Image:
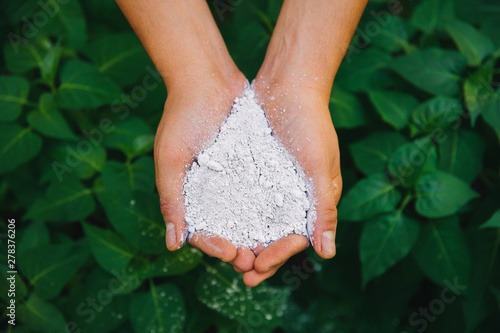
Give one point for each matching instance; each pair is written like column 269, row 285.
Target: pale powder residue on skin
column 245, row 187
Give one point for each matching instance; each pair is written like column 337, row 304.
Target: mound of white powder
column 245, row 187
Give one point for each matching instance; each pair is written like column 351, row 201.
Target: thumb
column 322, row 223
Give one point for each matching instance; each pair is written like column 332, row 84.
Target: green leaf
column 429, row 14
column 50, row 64
column 369, row 197
column 395, row 108
column 119, row 56
column 471, row 43
column 23, row 57
column 137, row 176
column 346, row 109
column 17, row 146
column 491, row 113
column 48, row 121
column 161, row 309
column 385, row 241
column 68, row 23
column 440, row 194
column 372, row 154
column 176, row 263
column 393, row 35
column 85, row 158
column 408, row 162
column 251, row 44
column 434, row 71
column 82, row 86
column 437, row 113
column 493, row 222
column 109, row 249
column 64, row 201
column 136, row 216
column 222, row 290
column 478, row 91
column 128, row 136
column 40, row 316
column 13, row 95
column 49, row 267
column 34, row 235
column 461, row 154
column 442, row 253
column 496, row 293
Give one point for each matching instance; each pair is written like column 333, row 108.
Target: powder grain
column 246, row 187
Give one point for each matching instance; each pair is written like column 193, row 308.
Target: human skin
column 293, row 85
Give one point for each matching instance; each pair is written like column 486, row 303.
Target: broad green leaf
column 496, row 293
column 442, row 253
column 346, row 109
column 109, row 249
column 461, row 154
column 372, row 154
column 409, row 161
column 477, row 90
column 386, row 240
column 393, row 35
column 369, row 197
column 13, row 93
column 429, row 14
column 440, row 194
column 68, row 23
column 119, row 56
column 50, row 64
column 48, row 121
column 222, row 290
column 41, row 316
column 35, row 234
column 137, row 176
column 434, row 71
column 15, row 10
column 84, row 158
column 49, row 267
column 491, row 113
column 23, row 57
column 82, row 86
column 161, row 309
column 136, row 216
column 17, row 146
column 437, row 113
column 65, row 201
column 395, row 108
column 493, row 222
column 176, row 263
column 471, row 43
column 362, row 70
column 128, row 136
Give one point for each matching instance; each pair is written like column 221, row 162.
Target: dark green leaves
column 429, row 14
column 346, row 110
column 442, row 253
column 394, row 108
column 369, row 197
column 176, row 263
column 372, row 154
column 13, row 93
column 40, row 316
column 129, row 176
column 222, row 290
column 440, row 194
column 434, row 71
column 64, row 201
column 493, row 222
column 133, row 136
column 49, row 267
column 386, row 240
column 471, row 43
column 17, row 146
column 161, row 309
column 408, row 161
column 82, row 86
column 437, row 113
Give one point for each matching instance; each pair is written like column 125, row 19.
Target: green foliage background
column 417, row 107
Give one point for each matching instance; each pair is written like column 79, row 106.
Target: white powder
column 245, row 187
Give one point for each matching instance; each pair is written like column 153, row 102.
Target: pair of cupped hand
column 297, row 109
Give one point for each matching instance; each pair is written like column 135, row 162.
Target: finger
column 238, row 270
column 279, row 252
column 244, row 259
column 323, row 224
column 258, row 249
column 253, row 278
column 214, row 246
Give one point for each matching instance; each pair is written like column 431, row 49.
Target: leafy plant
column 416, row 104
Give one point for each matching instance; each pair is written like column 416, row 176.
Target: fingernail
column 328, row 243
column 170, row 234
